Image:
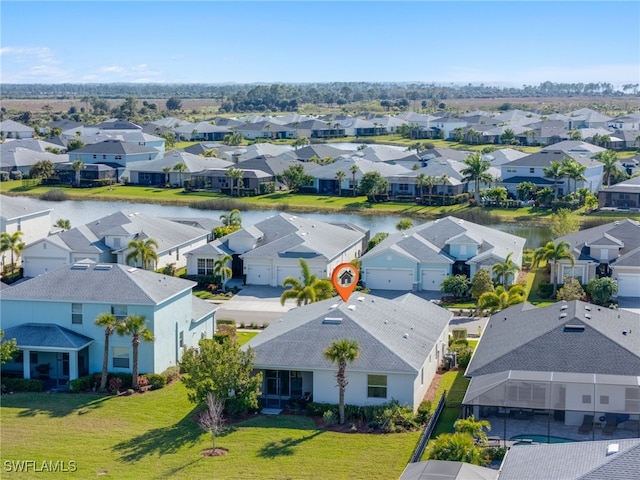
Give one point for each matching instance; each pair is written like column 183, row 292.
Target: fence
column 428, row 430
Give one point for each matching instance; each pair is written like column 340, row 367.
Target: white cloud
column 25, row 54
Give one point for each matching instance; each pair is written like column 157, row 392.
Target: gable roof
column 46, row 335
column 115, row 147
column 527, row 338
column 194, row 163
column 394, row 336
column 624, row 234
column 447, row 470
column 99, row 283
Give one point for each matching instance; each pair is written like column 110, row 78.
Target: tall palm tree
column 574, row 171
column 221, row 269
column 552, row 252
column 232, row 219
column 609, row 160
column 354, row 169
column 77, row 166
column 556, row 172
column 235, row 175
column 167, row 172
column 342, row 352
column 340, row 176
column 134, row 325
column 310, row 290
column 502, row 271
column 180, row 167
column 14, row 244
column 421, row 181
column 108, row 322
column 145, row 250
column 476, row 170
column 444, row 180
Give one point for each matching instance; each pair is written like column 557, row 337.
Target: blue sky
column 512, row 43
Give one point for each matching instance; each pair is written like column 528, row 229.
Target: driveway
column 631, row 304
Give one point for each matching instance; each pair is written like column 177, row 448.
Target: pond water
column 81, row 212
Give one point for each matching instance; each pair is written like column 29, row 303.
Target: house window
column 118, row 157
column 532, row 170
column 33, row 358
column 76, row 313
column 119, row 311
column 604, row 399
column 586, row 399
column 511, row 170
column 463, row 249
column 181, row 339
column 120, row 357
column 205, row 266
column 116, row 242
column 377, row 386
column 403, row 186
column 104, row 157
column 95, row 156
column 631, row 399
column 422, row 376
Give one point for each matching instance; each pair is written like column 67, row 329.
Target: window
column 118, row 157
column 104, row 157
column 181, row 339
column 422, row 376
column 76, row 313
column 205, row 266
column 604, row 399
column 116, row 242
column 586, row 399
column 532, row 170
column 377, row 386
column 631, row 399
column 33, row 358
column 95, row 156
column 120, row 357
column 119, row 311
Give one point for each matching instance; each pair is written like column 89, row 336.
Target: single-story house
column 610, row 250
column 421, row 257
column 19, row 214
column 265, row 129
column 13, row 129
column 561, row 362
column 22, row 159
column 52, row 319
column 201, row 131
column 623, row 195
column 402, row 343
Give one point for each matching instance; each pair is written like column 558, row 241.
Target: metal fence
column 428, row 430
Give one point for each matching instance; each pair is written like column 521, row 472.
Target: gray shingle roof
column 16, row 207
column 626, row 232
column 194, row 163
column 527, row 338
column 46, row 335
column 115, row 147
column 96, row 283
column 201, row 308
column 393, row 335
column 445, row 470
column 588, row 461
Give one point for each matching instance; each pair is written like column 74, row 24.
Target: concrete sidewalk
column 256, row 299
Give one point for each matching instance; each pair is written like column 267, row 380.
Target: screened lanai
column 578, row 405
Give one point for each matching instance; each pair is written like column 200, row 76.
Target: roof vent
column 613, row 448
column 132, row 269
column 103, row 267
column 80, row 266
column 361, row 299
column 574, row 328
column 335, row 305
column 563, row 307
column 332, row 321
column 587, row 315
column 351, row 307
column 562, row 315
column 587, row 308
column 406, row 335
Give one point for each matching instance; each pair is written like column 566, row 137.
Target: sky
column 504, row 42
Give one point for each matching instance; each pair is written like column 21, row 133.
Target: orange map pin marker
column 345, row 278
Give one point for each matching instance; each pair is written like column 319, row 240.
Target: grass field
column 153, row 435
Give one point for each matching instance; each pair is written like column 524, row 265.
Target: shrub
column 496, row 453
column 55, row 195
column 545, row 290
column 461, row 341
column 242, row 325
column 114, row 384
column 265, row 325
column 143, row 381
column 463, row 353
column 15, row 175
column 253, row 325
column 458, row 333
column 316, row 409
column 156, row 380
column 4, row 177
column 424, row 412
column 171, row 374
column 396, row 418
column 82, row 384
column 329, row 417
column 267, row 187
column 23, row 384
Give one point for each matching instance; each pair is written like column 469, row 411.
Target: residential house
column 587, row 118
column 401, row 342
column 575, row 148
column 447, row 124
column 630, row 122
column 105, row 241
column 52, row 319
column 421, row 257
column 34, row 144
column 610, row 250
column 217, row 180
column 561, row 363
column 135, row 137
column 265, row 129
column 22, row 159
column 321, row 151
column 114, row 152
column 447, row 470
column 92, row 174
column 358, row 127
column 202, row 131
column 313, row 128
column 13, row 129
column 19, row 214
column 623, row 195
column 446, row 175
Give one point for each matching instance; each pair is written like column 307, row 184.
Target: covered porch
column 290, row 389
column 48, row 352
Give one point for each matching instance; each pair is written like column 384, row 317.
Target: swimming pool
column 540, row 439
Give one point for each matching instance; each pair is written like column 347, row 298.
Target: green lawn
column 243, row 337
column 153, row 436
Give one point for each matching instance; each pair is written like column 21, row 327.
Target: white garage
column 39, row 266
column 628, row 285
column 284, row 272
column 432, row 279
column 258, row 275
column 388, row 279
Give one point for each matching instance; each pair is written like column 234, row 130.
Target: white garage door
column 284, row 272
column 432, row 279
column 628, row 285
column 39, row 266
column 259, row 275
column 383, row 279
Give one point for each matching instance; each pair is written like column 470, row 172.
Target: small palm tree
column 444, row 180
column 145, row 250
column 77, row 166
column 63, row 223
column 552, row 252
column 354, row 169
column 180, row 167
column 556, row 172
column 342, row 352
column 167, row 172
column 134, row 325
column 108, row 322
column 14, row 244
column 310, row 290
column 476, row 170
column 502, row 271
column 501, row 299
column 221, row 269
column 232, row 219
column 235, row 175
column 473, row 427
column 340, row 176
column 609, row 160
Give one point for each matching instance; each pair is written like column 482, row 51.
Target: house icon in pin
column 346, row 277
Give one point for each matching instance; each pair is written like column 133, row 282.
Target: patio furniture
column 611, row 423
column 587, row 425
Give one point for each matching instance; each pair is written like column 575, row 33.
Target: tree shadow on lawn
column 53, row 404
column 161, row 441
column 285, row 447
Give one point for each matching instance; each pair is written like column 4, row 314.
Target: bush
column 126, row 379
column 143, row 381
column 496, row 453
column 15, row 175
column 316, row 409
column 463, row 353
column 156, row 380
column 458, row 333
column 545, row 290
column 82, row 384
column 329, row 417
column 23, row 384
column 171, row 374
column 55, row 195
column 396, row 418
column 114, row 384
column 267, row 187
column 424, row 412
column 4, row 177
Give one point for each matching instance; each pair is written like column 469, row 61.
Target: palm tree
column 421, row 181
column 300, row 142
column 340, row 176
column 444, row 180
column 354, row 169
column 134, row 325
column 556, row 172
column 232, row 219
column 145, row 250
column 221, row 269
column 235, row 175
column 473, row 427
column 502, row 271
column 12, row 242
column 180, row 167
column 63, row 223
column 552, row 252
column 573, row 170
column 476, row 170
column 167, row 173
column 310, row 290
column 609, row 160
column 77, row 166
column 342, row 352
column 108, row 322
column 501, row 298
